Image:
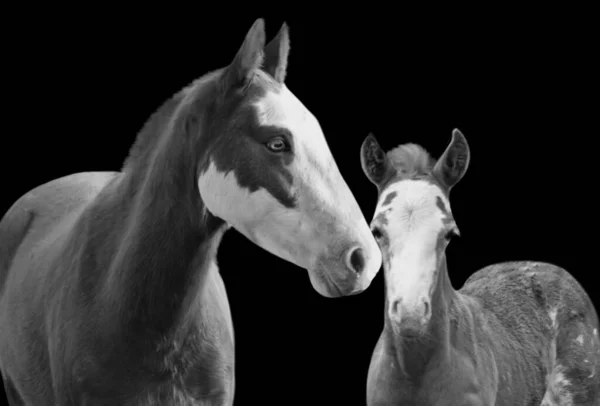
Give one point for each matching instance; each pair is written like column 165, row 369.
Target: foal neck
column 414, row 354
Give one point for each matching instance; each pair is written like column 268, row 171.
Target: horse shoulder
column 41, row 209
column 34, row 229
column 30, row 235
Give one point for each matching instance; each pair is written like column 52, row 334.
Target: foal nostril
column 356, row 260
column 396, row 307
column 426, row 309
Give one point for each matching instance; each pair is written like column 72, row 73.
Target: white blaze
column 414, row 223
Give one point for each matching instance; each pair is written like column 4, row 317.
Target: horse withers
column 109, row 288
column 517, row 333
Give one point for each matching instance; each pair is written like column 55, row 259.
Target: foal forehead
column 413, row 201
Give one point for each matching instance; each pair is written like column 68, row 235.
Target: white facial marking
column 225, row 198
column 557, row 392
column 326, row 221
column 284, row 109
column 316, row 175
column 414, row 222
column 552, row 313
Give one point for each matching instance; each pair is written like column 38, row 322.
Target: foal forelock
column 413, row 214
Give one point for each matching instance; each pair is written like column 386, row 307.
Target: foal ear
column 454, row 162
column 374, row 161
column 276, row 54
column 248, row 58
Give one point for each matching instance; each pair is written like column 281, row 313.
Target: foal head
column 268, row 172
column 413, row 222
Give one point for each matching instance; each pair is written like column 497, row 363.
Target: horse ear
column 374, row 161
column 248, row 58
column 454, row 162
column 276, row 54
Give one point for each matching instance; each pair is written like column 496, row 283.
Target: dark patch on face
column 378, row 228
column 434, row 180
column 440, row 204
column 239, row 146
column 389, row 198
column 381, row 219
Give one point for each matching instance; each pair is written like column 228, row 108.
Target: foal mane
column 411, row 160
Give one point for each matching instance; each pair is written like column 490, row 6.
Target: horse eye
column 277, row 144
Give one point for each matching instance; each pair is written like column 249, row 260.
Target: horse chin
column 324, row 285
column 327, row 286
column 410, row 329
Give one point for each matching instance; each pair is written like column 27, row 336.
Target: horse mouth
column 330, row 287
column 409, row 329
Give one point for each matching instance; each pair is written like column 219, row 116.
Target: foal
column 517, row 333
column 109, row 289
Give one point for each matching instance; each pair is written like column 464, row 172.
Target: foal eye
column 277, row 144
column 377, row 233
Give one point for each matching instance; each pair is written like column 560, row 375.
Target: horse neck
column 165, row 244
column 413, row 355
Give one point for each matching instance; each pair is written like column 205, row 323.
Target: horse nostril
column 356, row 260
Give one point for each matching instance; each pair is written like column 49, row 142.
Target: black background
column 518, row 90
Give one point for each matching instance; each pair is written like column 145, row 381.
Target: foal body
column 517, row 333
column 532, row 339
column 109, row 287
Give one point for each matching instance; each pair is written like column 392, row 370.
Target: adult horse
column 517, row 333
column 110, row 293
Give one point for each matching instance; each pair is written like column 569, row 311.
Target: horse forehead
column 414, row 194
column 281, row 108
column 412, row 202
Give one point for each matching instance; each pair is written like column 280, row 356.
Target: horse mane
column 411, row 160
column 159, row 120
column 152, row 129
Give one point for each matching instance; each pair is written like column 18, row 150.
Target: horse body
column 109, row 286
column 61, row 331
column 516, row 333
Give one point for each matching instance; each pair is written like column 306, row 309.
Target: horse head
column 268, row 172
